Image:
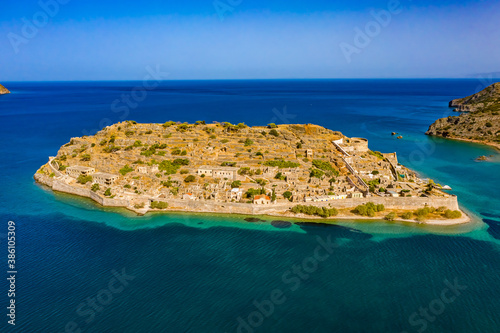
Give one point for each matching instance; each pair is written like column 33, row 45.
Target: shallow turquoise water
column 200, row 273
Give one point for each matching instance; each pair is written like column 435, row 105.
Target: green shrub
column 452, row 214
column 159, row 205
column 184, row 172
column 274, row 133
column 248, row 142
column 368, row 209
column 377, row 154
column 107, row 192
column 316, row 173
column 236, row 184
column 272, row 125
column 85, row 158
column 95, row 187
column 287, row 195
column 488, row 124
column 407, row 215
column 84, row 179
column 189, row 179
column 390, row 217
column 313, row 210
column 325, row 166
column 126, row 169
column 281, row 164
column 181, row 161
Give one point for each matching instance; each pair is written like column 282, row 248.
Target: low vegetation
column 368, row 209
column 313, row 210
column 159, row 205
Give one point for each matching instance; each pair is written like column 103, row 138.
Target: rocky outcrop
column 484, row 99
column 480, row 123
column 3, row 90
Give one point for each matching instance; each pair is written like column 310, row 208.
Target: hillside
column 480, row 121
column 3, row 90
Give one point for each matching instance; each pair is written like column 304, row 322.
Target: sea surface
column 85, row 268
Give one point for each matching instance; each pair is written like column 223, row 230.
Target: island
column 304, row 171
column 479, row 121
column 3, row 90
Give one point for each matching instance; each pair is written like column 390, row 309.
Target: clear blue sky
column 104, row 40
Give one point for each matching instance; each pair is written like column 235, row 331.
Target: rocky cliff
column 479, row 123
column 3, row 90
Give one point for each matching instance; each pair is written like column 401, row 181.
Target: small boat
column 446, row 187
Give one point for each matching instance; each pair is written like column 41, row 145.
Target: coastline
column 485, row 143
column 117, row 203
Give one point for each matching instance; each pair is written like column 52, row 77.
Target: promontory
column 479, row 122
column 304, row 171
column 3, row 90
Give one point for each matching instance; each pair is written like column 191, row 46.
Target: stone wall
column 403, row 203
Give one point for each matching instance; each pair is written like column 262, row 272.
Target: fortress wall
column 250, row 209
column 63, row 187
column 110, row 202
column 403, row 203
column 406, row 203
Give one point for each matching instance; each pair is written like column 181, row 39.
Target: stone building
column 218, row 172
column 78, row 170
column 261, row 199
column 104, row 178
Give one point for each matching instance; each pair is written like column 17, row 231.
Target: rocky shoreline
column 480, row 121
column 3, row 90
column 282, row 211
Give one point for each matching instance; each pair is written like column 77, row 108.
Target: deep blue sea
column 84, row 268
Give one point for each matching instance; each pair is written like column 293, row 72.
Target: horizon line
column 261, row 79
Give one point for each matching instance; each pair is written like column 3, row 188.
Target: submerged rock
column 281, row 224
column 253, row 219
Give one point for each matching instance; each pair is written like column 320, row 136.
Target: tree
column 316, row 173
column 248, row 142
column 95, row 187
column 126, row 169
column 272, row 125
column 107, row 192
column 189, row 179
column 407, row 215
column 84, row 179
column 159, row 205
column 273, row 196
column 287, row 195
column 390, row 217
column 236, row 184
column 274, row 133
column 452, row 214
